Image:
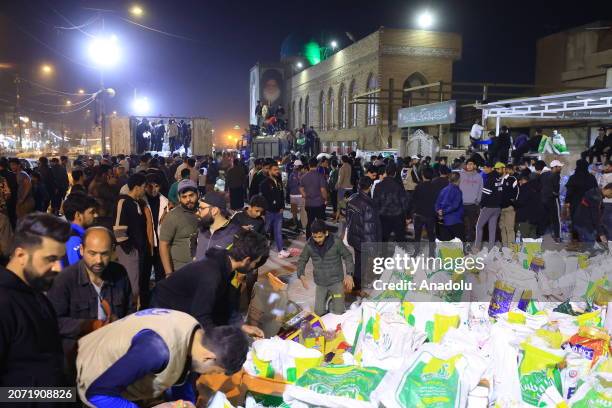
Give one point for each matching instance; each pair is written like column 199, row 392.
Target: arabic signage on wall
column 427, row 115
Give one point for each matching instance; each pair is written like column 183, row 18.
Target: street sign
column 427, row 115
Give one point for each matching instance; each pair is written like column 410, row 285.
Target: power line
column 51, row 89
column 158, row 31
column 59, row 105
column 74, row 27
column 51, row 48
column 65, row 112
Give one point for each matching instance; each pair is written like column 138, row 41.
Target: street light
column 334, row 44
column 425, row 19
column 104, row 51
column 81, row 91
column 46, row 69
column 69, row 103
column 141, row 106
column 300, row 65
column 136, row 11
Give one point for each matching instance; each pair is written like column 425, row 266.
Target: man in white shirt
column 476, row 133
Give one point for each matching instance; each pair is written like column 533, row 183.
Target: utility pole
column 18, row 110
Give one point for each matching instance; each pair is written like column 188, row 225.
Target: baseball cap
column 555, row 163
column 187, row 185
column 499, row 165
column 298, row 162
column 603, row 128
column 215, row 199
column 415, row 157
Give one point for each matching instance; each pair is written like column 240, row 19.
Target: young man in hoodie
column 527, row 208
column 389, row 200
column 507, row 216
column 490, row 204
column 327, row 253
column 587, row 219
column 470, row 184
column 449, row 207
column 551, row 183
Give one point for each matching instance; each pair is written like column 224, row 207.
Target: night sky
column 207, row 74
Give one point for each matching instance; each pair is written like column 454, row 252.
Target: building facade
column 352, row 97
column 579, row 57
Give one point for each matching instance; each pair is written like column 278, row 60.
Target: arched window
column 307, row 112
column 330, row 114
column 372, row 106
column 352, row 107
column 342, row 107
column 293, row 118
column 416, row 97
column 322, row 108
column 300, row 114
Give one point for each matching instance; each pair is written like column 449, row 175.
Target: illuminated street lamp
column 300, row 65
column 68, row 103
column 104, row 52
column 425, row 20
column 81, row 91
column 46, row 69
column 334, row 44
column 136, row 11
column 141, row 106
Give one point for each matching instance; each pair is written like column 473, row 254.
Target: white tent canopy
column 584, row 105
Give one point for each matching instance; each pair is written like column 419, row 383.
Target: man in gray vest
column 151, row 354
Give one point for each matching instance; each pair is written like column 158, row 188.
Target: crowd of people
column 133, row 269
column 150, row 136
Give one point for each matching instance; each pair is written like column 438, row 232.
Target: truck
column 121, row 133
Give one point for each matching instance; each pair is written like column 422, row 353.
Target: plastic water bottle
column 565, row 231
column 517, row 241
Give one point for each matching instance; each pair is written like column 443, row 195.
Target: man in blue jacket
column 449, row 207
column 80, row 209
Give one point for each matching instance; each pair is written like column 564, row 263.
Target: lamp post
column 425, row 20
column 104, row 52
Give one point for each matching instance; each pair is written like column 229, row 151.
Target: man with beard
column 178, row 228
column 30, row 344
column 209, row 289
column 215, row 228
column 160, row 207
column 91, row 293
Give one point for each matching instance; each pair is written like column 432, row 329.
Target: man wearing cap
column 490, row 203
column 215, row 228
column 178, row 228
column 551, row 182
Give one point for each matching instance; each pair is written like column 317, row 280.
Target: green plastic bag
column 430, row 384
column 342, row 381
column 538, row 371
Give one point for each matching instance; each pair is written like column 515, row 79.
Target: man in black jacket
column 252, row 216
column 490, row 204
column 528, row 208
column 424, row 208
column 551, row 183
column 30, row 345
column 209, row 289
column 587, row 219
column 272, row 189
column 90, row 294
column 389, row 199
column 503, row 144
column 60, row 178
column 363, row 226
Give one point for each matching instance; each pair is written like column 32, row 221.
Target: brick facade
column 385, row 54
